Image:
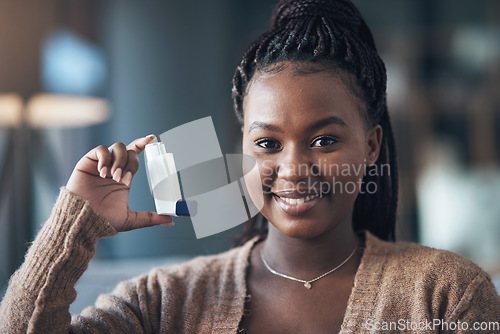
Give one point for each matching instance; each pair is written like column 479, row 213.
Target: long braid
column 333, row 35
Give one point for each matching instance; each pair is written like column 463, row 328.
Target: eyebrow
column 261, row 125
column 325, row 122
column 315, row 126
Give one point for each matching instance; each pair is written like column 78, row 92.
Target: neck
column 306, row 258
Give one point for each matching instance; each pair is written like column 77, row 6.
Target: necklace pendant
column 307, row 285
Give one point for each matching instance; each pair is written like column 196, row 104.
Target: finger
column 146, row 219
column 138, row 145
column 100, row 156
column 131, row 168
column 119, row 157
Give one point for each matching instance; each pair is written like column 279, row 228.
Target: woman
column 310, row 95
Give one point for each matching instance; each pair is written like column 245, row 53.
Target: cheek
column 258, row 175
column 342, row 174
column 258, row 181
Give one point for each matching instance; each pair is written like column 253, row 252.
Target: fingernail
column 170, row 223
column 117, row 175
column 152, row 136
column 127, row 178
column 104, row 172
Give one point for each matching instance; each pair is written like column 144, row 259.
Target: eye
column 323, row 141
column 268, row 143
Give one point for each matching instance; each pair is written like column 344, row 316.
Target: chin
column 298, row 228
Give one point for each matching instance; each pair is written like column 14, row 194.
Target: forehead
column 288, row 96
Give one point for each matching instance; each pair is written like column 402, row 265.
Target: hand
column 103, row 177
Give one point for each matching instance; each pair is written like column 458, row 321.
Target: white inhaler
column 164, row 182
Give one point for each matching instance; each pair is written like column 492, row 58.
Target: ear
column 373, row 143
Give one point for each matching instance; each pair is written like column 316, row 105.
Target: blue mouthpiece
column 186, row 208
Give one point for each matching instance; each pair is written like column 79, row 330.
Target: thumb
column 142, row 219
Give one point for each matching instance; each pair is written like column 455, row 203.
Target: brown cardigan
column 397, row 284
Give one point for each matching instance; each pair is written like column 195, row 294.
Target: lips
column 296, row 193
column 297, row 202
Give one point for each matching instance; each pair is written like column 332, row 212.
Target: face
column 311, row 145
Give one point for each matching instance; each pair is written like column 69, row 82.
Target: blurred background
column 78, row 73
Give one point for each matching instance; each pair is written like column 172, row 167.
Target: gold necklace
column 307, row 284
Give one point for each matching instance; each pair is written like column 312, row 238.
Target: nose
column 294, row 164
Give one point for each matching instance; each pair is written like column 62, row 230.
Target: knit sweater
column 397, row 284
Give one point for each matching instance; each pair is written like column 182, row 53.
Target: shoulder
column 208, row 266
column 403, row 280
column 190, row 293
column 433, row 277
column 207, row 272
column 419, row 260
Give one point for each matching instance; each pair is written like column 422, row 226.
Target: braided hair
column 330, row 35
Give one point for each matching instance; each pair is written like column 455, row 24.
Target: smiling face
column 311, row 144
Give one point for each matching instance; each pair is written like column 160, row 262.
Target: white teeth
column 296, row 201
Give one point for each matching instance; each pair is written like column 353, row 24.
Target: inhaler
column 164, row 182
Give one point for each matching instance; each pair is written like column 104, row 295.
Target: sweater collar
column 364, row 293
